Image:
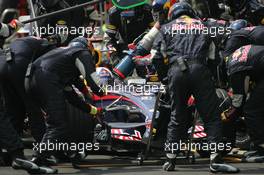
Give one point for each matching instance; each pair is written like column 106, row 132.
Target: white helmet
column 105, row 75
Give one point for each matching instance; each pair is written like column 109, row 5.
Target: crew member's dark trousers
column 196, row 81
column 14, row 107
column 254, row 114
column 47, row 87
column 9, row 139
column 18, row 106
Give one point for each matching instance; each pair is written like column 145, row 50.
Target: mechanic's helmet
column 79, row 42
column 105, row 75
column 238, row 24
column 159, row 5
column 179, row 9
column 160, row 9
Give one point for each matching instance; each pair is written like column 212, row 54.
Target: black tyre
column 81, row 125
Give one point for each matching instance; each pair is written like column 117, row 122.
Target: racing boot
column 19, row 162
column 170, row 163
column 255, row 156
column 44, row 160
column 218, row 166
column 22, row 164
column 77, row 159
column 31, row 167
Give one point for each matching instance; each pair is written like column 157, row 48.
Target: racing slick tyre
column 81, row 125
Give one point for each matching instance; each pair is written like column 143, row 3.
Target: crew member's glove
column 95, row 111
column 231, row 114
column 141, row 61
column 15, row 24
column 138, row 54
column 111, row 48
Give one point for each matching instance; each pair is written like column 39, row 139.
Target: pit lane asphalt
column 110, row 165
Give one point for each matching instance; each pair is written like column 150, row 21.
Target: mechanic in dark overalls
column 9, row 138
column 21, row 52
column 188, row 75
column 242, row 35
column 251, row 10
column 128, row 26
column 244, row 66
column 124, row 26
column 51, row 73
column 62, row 23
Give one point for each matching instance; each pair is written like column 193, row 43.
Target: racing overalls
column 128, row 27
column 9, row 138
column 124, row 28
column 251, row 10
column 242, row 37
column 51, row 73
column 22, row 51
column 187, row 75
column 66, row 24
column 246, row 65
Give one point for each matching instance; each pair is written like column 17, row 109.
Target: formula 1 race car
column 135, row 119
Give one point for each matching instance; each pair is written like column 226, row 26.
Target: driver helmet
column 105, row 76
